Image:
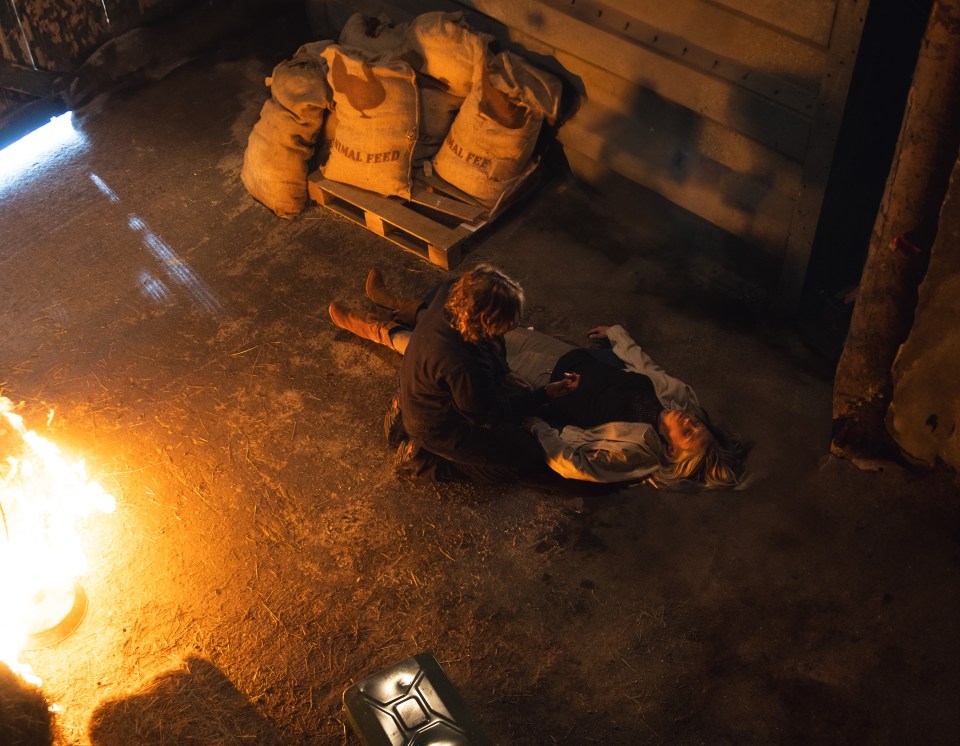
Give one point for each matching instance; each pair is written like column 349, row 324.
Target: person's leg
column 400, row 338
column 389, row 334
column 414, row 461
column 503, row 453
column 402, row 311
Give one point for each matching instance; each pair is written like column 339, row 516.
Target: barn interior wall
column 727, row 108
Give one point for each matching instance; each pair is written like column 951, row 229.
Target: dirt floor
column 263, row 556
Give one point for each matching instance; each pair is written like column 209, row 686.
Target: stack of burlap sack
column 390, row 98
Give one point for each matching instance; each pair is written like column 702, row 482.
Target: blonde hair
column 720, row 464
column 484, row 303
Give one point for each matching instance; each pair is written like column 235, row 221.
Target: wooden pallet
column 438, row 233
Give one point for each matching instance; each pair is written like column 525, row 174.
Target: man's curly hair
column 484, row 303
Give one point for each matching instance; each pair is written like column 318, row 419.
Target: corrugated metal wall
column 728, row 108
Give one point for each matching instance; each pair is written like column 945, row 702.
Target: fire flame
column 43, row 498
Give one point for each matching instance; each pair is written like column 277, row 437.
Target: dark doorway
column 865, row 146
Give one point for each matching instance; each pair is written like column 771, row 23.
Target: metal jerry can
column 411, row 704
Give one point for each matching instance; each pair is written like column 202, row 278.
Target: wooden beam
column 21, row 79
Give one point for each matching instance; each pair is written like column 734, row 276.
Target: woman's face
column 682, row 431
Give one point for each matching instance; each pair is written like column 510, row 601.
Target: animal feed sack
column 445, row 51
column 448, row 50
column 374, row 35
column 375, row 97
column 438, row 109
column 493, row 136
column 282, row 141
column 446, row 46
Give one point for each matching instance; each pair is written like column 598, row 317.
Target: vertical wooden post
column 899, row 246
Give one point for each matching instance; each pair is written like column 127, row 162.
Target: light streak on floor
column 46, row 146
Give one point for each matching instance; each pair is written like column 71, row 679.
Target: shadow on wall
column 195, row 703
column 665, row 150
column 661, row 134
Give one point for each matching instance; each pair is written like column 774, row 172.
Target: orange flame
column 43, row 498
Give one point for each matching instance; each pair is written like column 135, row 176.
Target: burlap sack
column 282, row 141
column 376, row 101
column 438, row 109
column 447, row 49
column 328, row 134
column 437, row 106
column 374, row 35
column 532, row 87
column 493, row 136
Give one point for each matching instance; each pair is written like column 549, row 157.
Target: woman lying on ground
column 626, row 421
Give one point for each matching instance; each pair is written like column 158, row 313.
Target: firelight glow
column 43, row 147
column 44, row 496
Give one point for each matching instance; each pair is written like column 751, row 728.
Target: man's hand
column 564, row 387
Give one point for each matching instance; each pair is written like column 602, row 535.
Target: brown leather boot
column 403, row 311
column 376, row 290
column 375, row 331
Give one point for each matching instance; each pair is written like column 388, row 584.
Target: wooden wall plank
column 25, row 80
column 680, row 49
column 845, row 43
column 691, row 131
column 716, row 30
column 807, row 19
column 755, row 116
column 713, row 140
column 737, row 202
column 10, row 103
